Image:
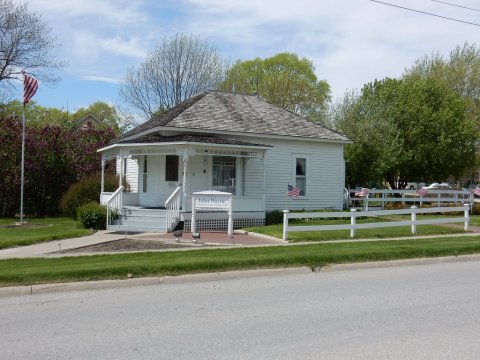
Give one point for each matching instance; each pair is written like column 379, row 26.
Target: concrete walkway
column 44, row 248
column 210, row 238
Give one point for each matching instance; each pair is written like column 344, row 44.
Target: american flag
column 293, row 191
column 475, row 190
column 30, row 86
column 422, row 191
column 362, row 193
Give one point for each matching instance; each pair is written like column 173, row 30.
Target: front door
column 159, row 176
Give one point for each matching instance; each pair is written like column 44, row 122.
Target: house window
column 145, row 173
column 223, row 174
column 301, row 175
column 171, row 168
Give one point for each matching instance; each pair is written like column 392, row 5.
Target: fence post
column 285, row 224
column 467, row 216
column 414, row 219
column 366, row 202
column 438, row 200
column 352, row 222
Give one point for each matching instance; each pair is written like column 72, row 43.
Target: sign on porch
column 212, row 200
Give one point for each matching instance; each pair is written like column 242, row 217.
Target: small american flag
column 475, row 190
column 293, row 191
column 30, row 86
column 362, row 193
column 422, row 191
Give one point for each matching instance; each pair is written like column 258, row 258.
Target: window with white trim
column 301, row 175
column 224, row 173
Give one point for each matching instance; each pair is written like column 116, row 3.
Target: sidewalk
column 41, row 249
column 210, row 238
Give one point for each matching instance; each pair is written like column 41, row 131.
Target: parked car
column 438, row 186
column 414, row 185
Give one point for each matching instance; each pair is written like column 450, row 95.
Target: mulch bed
column 125, row 245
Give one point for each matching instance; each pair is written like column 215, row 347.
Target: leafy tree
column 407, row 130
column 37, row 115
column 284, row 80
column 174, row 70
column 25, row 44
column 460, row 71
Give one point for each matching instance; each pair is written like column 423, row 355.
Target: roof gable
column 227, row 112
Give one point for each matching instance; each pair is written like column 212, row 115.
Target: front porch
column 247, row 212
column 162, row 176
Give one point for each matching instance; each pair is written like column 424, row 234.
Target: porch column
column 184, row 180
column 122, row 159
column 264, row 181
column 102, row 181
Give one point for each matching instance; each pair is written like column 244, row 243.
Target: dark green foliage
column 92, row 216
column 84, row 191
column 415, row 129
column 274, row 217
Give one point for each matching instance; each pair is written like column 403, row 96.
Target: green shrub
column 274, row 217
column 84, row 191
column 92, row 216
column 476, row 209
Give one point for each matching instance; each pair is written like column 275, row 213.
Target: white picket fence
column 353, row 214
column 437, row 197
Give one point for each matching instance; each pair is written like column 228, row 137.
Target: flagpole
column 23, row 164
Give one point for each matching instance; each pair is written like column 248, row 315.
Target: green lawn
column 276, row 230
column 47, row 229
column 50, row 270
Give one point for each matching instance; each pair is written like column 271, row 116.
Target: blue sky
column 351, row 42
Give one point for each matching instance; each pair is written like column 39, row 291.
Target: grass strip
column 380, row 233
column 118, row 266
column 38, row 230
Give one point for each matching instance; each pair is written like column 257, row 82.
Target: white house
column 226, row 142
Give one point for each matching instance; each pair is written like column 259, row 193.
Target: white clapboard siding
column 253, row 177
column 199, row 169
column 131, row 174
column 325, row 174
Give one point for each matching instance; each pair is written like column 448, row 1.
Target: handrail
column 114, row 202
column 172, row 206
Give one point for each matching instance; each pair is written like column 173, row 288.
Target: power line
column 425, row 13
column 456, row 5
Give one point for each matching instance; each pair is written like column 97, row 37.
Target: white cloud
column 89, row 45
column 111, row 11
column 350, row 42
column 105, row 79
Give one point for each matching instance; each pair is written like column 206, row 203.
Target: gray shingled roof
column 218, row 111
column 157, row 138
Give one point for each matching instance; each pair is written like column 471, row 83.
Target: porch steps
column 137, row 219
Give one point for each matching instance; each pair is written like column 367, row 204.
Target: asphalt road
column 414, row 312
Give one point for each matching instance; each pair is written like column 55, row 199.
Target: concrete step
column 135, row 229
column 144, row 213
column 140, row 222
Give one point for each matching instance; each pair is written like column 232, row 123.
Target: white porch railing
column 410, row 196
column 172, row 206
column 114, row 203
column 353, row 214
